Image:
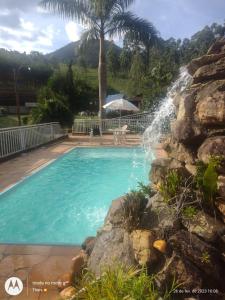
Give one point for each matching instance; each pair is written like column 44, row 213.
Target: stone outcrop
column 196, row 241
column 113, row 243
column 142, row 242
column 214, row 146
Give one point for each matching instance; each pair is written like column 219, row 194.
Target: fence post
column 52, row 131
column 22, row 139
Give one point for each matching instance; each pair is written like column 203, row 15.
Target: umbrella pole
column 120, row 120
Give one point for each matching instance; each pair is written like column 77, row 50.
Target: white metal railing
column 136, row 123
column 18, row 139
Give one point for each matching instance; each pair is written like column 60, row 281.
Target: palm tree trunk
column 102, row 75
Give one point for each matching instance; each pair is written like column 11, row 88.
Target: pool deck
column 34, row 264
column 41, row 263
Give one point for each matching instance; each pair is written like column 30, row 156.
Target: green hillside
column 87, row 55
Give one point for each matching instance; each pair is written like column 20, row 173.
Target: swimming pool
column 68, row 200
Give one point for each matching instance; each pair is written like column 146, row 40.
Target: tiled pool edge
column 36, row 170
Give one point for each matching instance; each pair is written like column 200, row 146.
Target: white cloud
column 73, row 31
column 28, row 37
column 4, row 12
column 26, row 25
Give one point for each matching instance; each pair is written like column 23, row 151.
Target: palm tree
column 103, row 18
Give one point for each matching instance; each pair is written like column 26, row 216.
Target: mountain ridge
column 88, row 56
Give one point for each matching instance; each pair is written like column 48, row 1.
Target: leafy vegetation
column 146, row 190
column 133, row 209
column 119, row 283
column 8, row 121
column 207, row 176
column 189, row 212
column 170, row 186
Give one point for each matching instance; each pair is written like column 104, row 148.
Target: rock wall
column 197, row 134
column 190, row 250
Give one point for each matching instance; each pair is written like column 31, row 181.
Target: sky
column 26, row 27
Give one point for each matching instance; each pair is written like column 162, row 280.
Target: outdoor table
column 118, row 134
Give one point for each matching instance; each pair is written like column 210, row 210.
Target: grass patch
column 8, row 121
column 118, row 283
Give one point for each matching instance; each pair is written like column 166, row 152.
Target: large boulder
column 220, row 204
column 142, row 241
column 204, row 226
column 214, row 146
column 161, row 167
column 111, row 247
column 209, row 72
column 187, row 131
column 221, row 186
column 179, row 151
column 217, row 47
column 186, row 106
column 199, row 62
column 210, row 100
column 115, row 213
column 160, row 216
column 186, row 274
column 202, row 255
column 113, row 243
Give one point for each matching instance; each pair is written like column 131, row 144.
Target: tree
column 52, row 107
column 112, row 61
column 103, row 18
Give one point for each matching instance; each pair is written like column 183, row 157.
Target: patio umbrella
column 121, row 105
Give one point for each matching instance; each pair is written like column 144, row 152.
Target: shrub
column 145, row 189
column 119, row 283
column 189, row 212
column 133, row 210
column 207, row 176
column 170, row 186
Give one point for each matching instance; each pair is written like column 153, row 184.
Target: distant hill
column 72, row 51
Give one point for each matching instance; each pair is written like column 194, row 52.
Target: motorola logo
column 13, row 286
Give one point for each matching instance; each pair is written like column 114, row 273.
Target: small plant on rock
column 133, row 209
column 145, row 189
column 206, row 178
column 189, row 212
column 205, row 258
column 170, row 186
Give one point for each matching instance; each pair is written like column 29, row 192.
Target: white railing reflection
column 19, row 139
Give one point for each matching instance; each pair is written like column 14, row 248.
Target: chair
column 120, row 135
column 124, row 133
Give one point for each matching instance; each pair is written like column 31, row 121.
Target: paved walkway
column 41, row 263
column 35, row 265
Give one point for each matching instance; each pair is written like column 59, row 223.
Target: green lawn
column 8, row 121
column 115, row 84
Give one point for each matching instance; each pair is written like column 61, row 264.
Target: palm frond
column 87, row 36
column 73, row 9
column 137, row 28
column 125, row 3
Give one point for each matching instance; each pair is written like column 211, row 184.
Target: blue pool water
column 68, row 200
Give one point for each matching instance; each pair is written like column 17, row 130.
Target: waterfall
column 165, row 112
